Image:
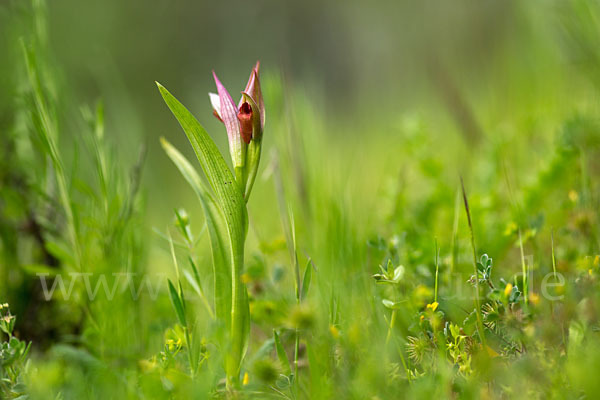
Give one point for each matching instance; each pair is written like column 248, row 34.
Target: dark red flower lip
column 245, row 117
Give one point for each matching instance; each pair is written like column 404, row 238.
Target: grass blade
column 477, row 300
column 524, row 270
column 48, row 134
column 306, row 279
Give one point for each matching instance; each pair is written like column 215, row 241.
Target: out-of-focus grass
column 368, row 179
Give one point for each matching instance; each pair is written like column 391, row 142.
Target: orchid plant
column 224, row 205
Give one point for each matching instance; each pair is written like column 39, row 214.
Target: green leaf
column 470, row 322
column 177, row 304
column 391, row 304
column 281, row 355
column 182, row 298
column 61, row 251
column 195, row 270
column 455, row 331
column 576, row 336
column 306, row 279
column 228, row 193
column 230, row 200
column 35, row 269
column 194, row 281
column 216, row 232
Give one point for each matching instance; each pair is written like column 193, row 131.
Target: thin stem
column 477, row 302
column 190, row 352
column 455, row 234
column 289, row 228
column 524, row 270
column 437, row 270
column 239, row 329
column 403, row 360
column 391, row 327
column 237, row 315
column 553, row 257
column 298, row 300
column 296, row 355
column 562, row 330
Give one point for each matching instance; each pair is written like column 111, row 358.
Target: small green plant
column 224, row 205
column 301, row 317
column 13, row 358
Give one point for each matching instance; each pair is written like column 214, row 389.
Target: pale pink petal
column 232, row 125
column 215, row 101
column 228, row 111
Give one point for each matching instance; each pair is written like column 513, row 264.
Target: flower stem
column 477, row 302
column 524, row 271
column 391, row 327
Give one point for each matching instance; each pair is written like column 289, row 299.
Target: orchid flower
column 244, row 124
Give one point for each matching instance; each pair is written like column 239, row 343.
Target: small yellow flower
column 573, row 196
column 147, row 365
column 422, row 318
column 596, row 264
column 170, row 345
column 433, row 306
column 246, row 379
column 508, row 289
column 335, row 332
column 534, row 298
column 510, row 229
column 529, row 330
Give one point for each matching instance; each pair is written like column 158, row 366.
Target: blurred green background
column 467, row 69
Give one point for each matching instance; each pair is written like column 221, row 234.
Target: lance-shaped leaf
column 281, row 355
column 216, row 232
column 230, row 200
column 177, row 304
